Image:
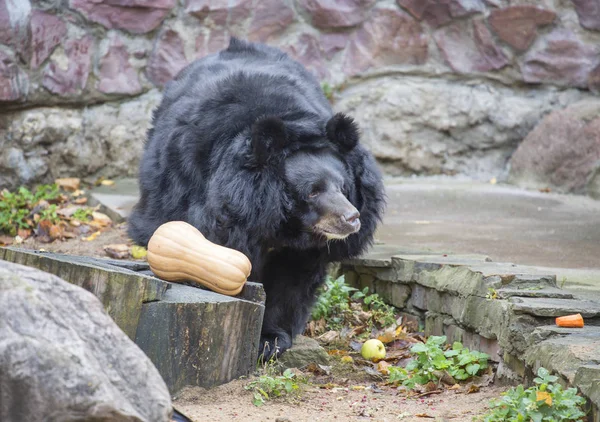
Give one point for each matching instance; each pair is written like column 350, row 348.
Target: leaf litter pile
column 344, row 318
column 54, row 213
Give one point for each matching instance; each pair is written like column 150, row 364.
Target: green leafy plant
column 335, row 297
column 16, row 207
column 382, row 313
column 269, row 386
column 82, row 214
column 333, row 302
column 431, row 361
column 465, row 363
column 327, row 90
column 50, row 214
column 545, row 401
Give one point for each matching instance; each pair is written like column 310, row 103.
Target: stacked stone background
column 438, row 86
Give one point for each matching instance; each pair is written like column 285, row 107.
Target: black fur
column 227, row 153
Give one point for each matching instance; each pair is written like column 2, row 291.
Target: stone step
column 192, row 335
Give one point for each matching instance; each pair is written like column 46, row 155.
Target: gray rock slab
column 304, row 352
column 550, row 307
column 548, row 292
column 62, row 358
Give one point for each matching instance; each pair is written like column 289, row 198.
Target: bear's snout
column 352, row 218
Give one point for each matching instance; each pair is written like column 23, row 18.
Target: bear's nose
column 351, row 217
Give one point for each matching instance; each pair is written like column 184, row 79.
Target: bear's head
column 317, row 178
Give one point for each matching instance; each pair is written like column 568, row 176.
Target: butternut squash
column 177, row 251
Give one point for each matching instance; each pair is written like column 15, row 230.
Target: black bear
column 245, row 147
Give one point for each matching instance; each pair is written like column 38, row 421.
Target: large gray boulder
column 63, row 359
column 562, row 152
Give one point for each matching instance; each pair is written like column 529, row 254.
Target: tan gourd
column 177, row 251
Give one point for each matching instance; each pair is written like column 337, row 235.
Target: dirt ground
column 356, row 401
column 77, row 246
column 231, row 402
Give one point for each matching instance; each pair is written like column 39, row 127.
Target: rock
column 469, row 47
column 307, row 51
column 14, row 25
column 167, row 59
column 14, row 82
column 561, row 152
column 593, row 81
column 563, row 59
column 304, row 352
column 68, row 74
column 588, row 12
column 428, row 126
column 220, row 11
column 271, row 17
column 63, row 358
column 51, row 142
column 389, row 37
column 593, row 183
column 518, row 25
column 332, row 43
column 47, row 31
column 116, row 75
column 213, row 42
column 549, row 307
column 135, row 16
column 336, row 14
column 439, row 12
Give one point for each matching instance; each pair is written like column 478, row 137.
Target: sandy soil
column 231, row 402
column 112, row 235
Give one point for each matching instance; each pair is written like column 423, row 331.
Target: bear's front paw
column 273, row 345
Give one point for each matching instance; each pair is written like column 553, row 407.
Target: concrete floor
column 505, row 223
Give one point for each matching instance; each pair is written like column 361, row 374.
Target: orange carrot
column 570, row 321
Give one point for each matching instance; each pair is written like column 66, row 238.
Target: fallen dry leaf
column 473, row 389
column 117, row 251
column 68, row 183
column 100, row 220
column 329, row 336
column 424, row 415
column 337, row 352
column 92, row 236
column 107, row 182
column 6, row 240
column 24, row 233
column 55, row 232
column 80, row 201
column 383, row 367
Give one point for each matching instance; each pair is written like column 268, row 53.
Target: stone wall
column 438, row 86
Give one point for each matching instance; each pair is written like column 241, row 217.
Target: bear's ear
column 343, row 131
column 268, row 138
